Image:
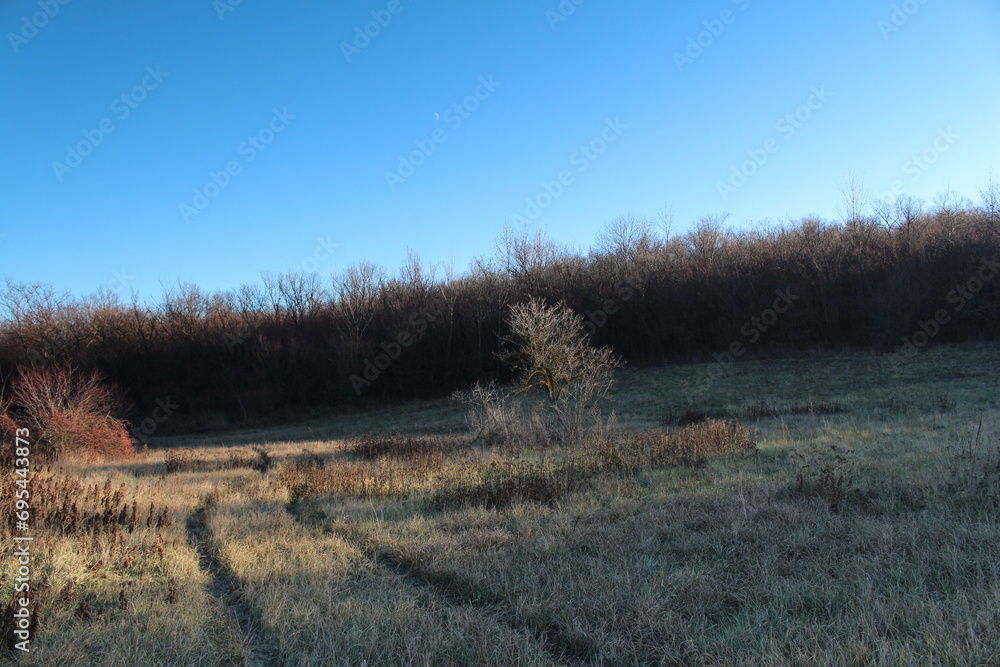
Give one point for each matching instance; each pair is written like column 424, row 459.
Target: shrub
column 550, row 351
column 77, row 432
column 501, row 420
column 70, row 412
column 41, row 392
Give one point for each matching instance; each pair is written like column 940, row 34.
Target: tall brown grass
column 690, row 445
column 397, row 466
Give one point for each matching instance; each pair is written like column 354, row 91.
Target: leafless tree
column 627, row 237
column 358, row 293
column 989, row 196
column 41, row 392
column 528, row 256
column 855, row 198
column 550, row 350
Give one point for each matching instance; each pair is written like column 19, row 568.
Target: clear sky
column 146, row 142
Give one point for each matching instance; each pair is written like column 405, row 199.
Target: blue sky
column 247, row 137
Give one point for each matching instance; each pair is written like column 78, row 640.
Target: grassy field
column 864, row 529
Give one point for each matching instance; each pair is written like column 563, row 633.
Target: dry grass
column 371, row 447
column 693, row 444
column 374, row 466
column 113, row 578
column 856, row 536
column 505, row 482
column 189, row 460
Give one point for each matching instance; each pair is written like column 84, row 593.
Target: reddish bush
column 70, row 412
column 78, row 432
column 7, row 425
column 43, row 391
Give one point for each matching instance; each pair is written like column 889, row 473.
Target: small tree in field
column 549, row 348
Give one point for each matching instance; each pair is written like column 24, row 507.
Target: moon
column 437, row 116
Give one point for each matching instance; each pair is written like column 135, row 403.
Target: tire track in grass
column 225, row 587
column 459, row 592
column 455, row 591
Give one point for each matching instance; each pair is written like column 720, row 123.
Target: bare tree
column 665, row 216
column 627, row 237
column 40, row 322
column 989, row 196
column 707, row 241
column 302, row 296
column 855, row 198
column 358, row 293
column 185, row 309
column 527, row 256
column 549, row 348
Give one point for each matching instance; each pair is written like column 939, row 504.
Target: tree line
column 299, row 340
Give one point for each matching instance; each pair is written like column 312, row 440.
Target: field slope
column 863, row 529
